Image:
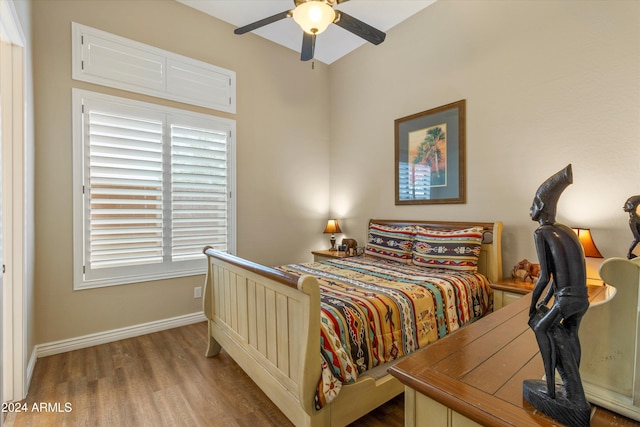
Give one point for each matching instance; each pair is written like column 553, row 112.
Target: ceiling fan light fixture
column 314, row 16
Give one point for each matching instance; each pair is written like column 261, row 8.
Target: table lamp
column 592, row 256
column 588, row 245
column 332, row 227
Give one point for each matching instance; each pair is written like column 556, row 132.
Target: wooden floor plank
column 160, row 379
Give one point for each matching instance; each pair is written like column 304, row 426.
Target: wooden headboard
column 490, row 261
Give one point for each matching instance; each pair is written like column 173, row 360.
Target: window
column 152, row 188
column 107, row 59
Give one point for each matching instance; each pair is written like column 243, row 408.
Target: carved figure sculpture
column 533, row 272
column 350, row 246
column 631, row 206
column 519, row 269
column 525, row 269
column 562, row 274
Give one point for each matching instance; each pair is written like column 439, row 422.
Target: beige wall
column 547, row 83
column 282, row 155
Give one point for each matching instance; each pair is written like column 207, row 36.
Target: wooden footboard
column 269, row 323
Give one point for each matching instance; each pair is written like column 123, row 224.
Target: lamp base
column 333, row 244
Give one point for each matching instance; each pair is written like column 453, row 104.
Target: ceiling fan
column 314, row 16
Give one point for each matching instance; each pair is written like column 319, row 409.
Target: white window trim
column 100, row 57
column 79, row 281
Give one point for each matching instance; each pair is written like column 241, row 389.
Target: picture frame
column 430, row 156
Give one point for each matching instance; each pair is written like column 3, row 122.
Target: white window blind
column 198, row 190
column 125, row 193
column 156, row 185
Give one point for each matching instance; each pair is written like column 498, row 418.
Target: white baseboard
column 57, row 347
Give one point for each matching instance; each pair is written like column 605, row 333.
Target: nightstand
column 328, row 254
column 509, row 290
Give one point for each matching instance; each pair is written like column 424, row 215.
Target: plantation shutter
column 198, row 191
column 125, row 175
column 153, row 189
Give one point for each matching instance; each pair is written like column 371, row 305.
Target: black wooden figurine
column 562, row 274
column 631, row 206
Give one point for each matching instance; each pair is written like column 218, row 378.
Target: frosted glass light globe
column 314, row 16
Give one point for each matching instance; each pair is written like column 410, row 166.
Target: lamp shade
column 314, row 16
column 332, row 227
column 588, row 245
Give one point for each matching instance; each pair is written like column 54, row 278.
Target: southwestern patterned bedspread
column 374, row 311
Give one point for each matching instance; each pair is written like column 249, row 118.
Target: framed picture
column 430, row 156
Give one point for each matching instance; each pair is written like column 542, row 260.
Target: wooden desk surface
column 478, row 371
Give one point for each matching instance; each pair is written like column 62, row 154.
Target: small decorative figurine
column 350, row 246
column 562, row 271
column 525, row 269
column 631, row 206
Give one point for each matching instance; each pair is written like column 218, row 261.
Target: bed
column 269, row 319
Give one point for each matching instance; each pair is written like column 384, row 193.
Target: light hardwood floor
column 160, row 379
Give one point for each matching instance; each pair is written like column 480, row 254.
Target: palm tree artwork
column 428, row 148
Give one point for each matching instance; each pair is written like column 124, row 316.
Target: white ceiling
column 333, row 43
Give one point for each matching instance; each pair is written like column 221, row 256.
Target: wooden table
column 474, row 376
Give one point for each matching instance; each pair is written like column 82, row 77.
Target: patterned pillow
column 450, row 249
column 394, row 243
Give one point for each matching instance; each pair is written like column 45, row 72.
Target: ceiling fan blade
column 359, row 28
column 308, row 46
column 262, row 22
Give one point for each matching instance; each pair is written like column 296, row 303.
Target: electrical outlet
column 197, row 292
